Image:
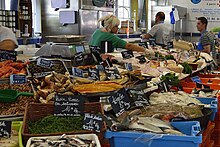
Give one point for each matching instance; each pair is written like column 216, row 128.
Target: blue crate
column 136, row 139
column 213, row 105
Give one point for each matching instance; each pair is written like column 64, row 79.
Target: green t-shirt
column 99, row 36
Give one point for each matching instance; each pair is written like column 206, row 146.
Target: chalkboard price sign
column 112, row 73
column 143, row 44
column 68, row 105
column 92, row 122
column 44, row 63
column 120, row 102
column 93, row 74
column 139, row 97
column 18, row 79
column 127, row 54
column 169, row 45
column 152, row 41
column 79, row 58
column 8, row 55
column 5, row 128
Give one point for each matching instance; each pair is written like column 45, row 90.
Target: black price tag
column 152, row 41
column 95, row 49
column 143, row 44
column 18, row 79
column 44, row 63
column 112, row 74
column 141, row 59
column 92, row 122
column 169, row 45
column 139, row 97
column 8, row 55
column 77, row 72
column 68, row 105
column 93, row 74
column 5, row 128
column 120, row 102
column 128, row 66
column 79, row 58
column 127, row 54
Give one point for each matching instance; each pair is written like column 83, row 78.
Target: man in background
column 206, row 41
column 159, row 31
column 8, row 40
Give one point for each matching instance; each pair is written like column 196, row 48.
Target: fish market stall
column 85, row 99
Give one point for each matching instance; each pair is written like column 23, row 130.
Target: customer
column 160, row 31
column 206, row 41
column 110, row 25
column 8, row 40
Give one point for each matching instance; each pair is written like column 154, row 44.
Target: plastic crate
column 213, row 105
column 35, row 111
column 136, row 139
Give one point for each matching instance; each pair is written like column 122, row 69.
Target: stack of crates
column 211, row 136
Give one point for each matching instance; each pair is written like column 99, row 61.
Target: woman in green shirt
column 110, row 25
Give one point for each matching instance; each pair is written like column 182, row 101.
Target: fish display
column 178, row 98
column 62, row 141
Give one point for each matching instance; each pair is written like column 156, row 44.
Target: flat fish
column 155, row 122
column 144, row 127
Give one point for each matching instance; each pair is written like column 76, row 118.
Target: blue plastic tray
column 136, row 139
column 213, row 105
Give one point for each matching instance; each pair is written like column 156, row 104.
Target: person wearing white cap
column 110, row 25
column 8, row 40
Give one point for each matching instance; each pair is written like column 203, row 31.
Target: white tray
column 92, row 137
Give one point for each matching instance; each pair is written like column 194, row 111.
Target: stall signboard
column 8, row 55
column 68, row 105
column 18, row 79
column 92, row 122
column 5, row 128
column 120, row 102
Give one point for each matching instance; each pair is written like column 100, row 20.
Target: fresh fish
column 172, row 131
column 143, row 126
column 155, row 122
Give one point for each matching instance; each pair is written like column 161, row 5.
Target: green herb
column 171, row 79
column 187, row 68
column 169, row 57
column 55, row 124
column 157, row 54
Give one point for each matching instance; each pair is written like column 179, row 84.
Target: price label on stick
column 68, row 105
column 44, row 63
column 112, row 74
column 143, row 44
column 5, row 128
column 18, row 79
column 8, row 55
column 92, row 122
column 120, row 102
column 139, row 97
column 169, row 45
column 93, row 74
column 127, row 54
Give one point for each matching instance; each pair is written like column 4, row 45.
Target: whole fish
column 143, row 126
column 155, row 122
